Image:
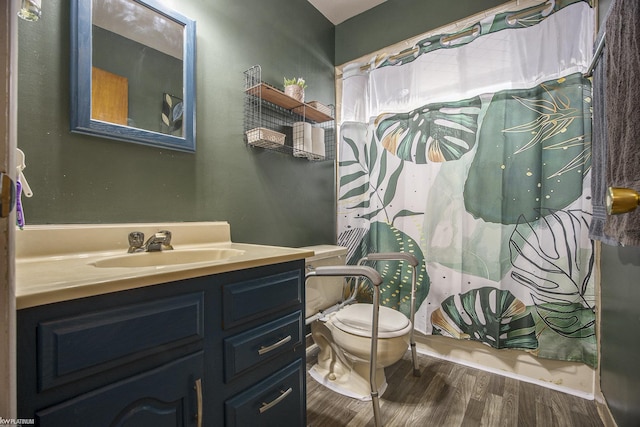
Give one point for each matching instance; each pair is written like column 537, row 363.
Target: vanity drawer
column 78, row 346
column 276, row 401
column 248, row 349
column 251, row 299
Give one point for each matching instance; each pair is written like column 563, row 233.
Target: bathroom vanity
column 209, row 344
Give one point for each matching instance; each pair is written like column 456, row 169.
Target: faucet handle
column 136, row 241
column 167, row 239
column 167, row 235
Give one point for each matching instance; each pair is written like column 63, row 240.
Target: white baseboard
column 568, row 377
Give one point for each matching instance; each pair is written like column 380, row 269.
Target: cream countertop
column 55, row 263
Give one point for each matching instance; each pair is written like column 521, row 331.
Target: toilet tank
column 324, row 292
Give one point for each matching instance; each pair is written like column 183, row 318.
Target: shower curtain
column 473, row 153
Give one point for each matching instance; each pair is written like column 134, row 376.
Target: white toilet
column 343, row 332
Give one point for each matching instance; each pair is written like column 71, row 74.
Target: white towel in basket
column 317, row 143
column 302, row 144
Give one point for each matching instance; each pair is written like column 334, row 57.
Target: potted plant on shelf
column 295, row 88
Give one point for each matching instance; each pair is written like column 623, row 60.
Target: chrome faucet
column 159, row 241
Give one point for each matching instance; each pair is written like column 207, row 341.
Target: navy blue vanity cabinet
column 212, row 351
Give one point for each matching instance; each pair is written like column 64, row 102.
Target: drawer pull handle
column 198, row 388
column 266, row 406
column 262, row 350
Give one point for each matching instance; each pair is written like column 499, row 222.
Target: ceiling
column 338, row 11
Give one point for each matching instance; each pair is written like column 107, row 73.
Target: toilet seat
column 356, row 319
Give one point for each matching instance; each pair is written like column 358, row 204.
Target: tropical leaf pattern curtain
column 474, row 155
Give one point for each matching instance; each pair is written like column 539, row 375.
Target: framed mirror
column 133, row 72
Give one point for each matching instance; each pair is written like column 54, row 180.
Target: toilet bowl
column 343, row 332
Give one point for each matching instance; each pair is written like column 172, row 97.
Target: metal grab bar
column 413, row 263
column 347, row 271
column 596, row 55
column 376, row 279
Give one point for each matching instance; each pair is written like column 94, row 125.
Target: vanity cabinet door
column 76, row 347
column 170, row 395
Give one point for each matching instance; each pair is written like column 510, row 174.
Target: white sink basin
column 168, row 257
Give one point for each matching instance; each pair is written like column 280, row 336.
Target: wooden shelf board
column 277, row 97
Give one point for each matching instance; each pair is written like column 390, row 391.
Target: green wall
column 620, row 329
column 396, row 20
column 268, row 197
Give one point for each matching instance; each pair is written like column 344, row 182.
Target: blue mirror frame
column 81, row 63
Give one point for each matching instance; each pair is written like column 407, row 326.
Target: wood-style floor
column 450, row 395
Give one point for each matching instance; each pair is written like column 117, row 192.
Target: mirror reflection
column 136, row 67
column 133, row 72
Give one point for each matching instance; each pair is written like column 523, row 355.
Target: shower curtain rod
column 512, row 19
column 596, row 55
column 447, row 39
column 408, row 53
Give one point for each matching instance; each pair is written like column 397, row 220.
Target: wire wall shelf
column 276, row 121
